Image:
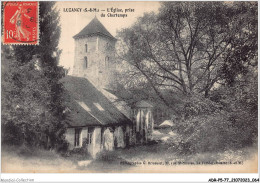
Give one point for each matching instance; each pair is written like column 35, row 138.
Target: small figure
column 17, row 19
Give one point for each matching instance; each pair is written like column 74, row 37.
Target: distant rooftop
column 95, row 27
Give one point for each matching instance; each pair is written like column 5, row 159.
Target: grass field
column 134, row 159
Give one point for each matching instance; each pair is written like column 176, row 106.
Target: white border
column 115, row 177
column 148, row 177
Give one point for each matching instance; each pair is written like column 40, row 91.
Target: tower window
column 107, row 61
column 77, row 137
column 86, row 61
column 108, row 46
column 86, row 47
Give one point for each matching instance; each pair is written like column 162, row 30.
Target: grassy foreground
column 148, row 158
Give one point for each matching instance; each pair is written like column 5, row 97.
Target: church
column 96, row 123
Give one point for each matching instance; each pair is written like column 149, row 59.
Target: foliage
column 32, row 96
column 206, row 51
column 197, row 105
column 227, row 121
column 189, row 46
column 78, row 154
column 244, row 44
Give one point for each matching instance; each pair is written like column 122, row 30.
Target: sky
column 73, row 22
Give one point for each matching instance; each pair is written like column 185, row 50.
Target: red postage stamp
column 21, row 22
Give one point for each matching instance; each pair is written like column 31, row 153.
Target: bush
column 195, row 105
column 208, row 126
column 63, row 146
column 78, row 154
column 202, row 133
column 11, row 134
column 109, row 156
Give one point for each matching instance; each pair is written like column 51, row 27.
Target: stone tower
column 95, row 54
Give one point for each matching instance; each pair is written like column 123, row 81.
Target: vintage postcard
column 129, row 87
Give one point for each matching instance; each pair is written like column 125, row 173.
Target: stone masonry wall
column 101, row 60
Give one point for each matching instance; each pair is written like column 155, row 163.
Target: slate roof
column 143, row 104
column 101, row 111
column 95, row 27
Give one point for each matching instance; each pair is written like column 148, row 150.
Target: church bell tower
column 95, row 54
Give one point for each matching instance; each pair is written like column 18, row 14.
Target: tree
column 243, row 57
column 31, row 91
column 206, row 51
column 189, row 47
column 228, row 120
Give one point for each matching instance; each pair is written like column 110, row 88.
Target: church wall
column 100, row 57
column 123, row 137
column 92, row 148
column 119, row 137
column 138, row 133
column 69, row 136
column 84, row 135
column 96, row 145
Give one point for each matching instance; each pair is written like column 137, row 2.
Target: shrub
column 78, row 154
column 208, row 126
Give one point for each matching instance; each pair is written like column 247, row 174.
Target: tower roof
column 95, row 27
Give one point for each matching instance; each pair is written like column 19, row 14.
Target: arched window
column 86, row 47
column 86, row 61
column 107, row 61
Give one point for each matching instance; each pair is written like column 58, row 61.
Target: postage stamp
column 20, row 23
